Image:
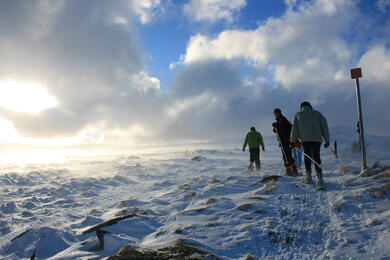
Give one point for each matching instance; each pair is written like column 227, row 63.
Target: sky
column 159, row 71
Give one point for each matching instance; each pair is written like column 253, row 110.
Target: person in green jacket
column 310, row 127
column 254, row 140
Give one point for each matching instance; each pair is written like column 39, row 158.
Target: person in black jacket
column 282, row 128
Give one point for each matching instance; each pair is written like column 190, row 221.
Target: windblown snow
column 200, row 194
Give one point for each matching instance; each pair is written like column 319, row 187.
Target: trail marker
column 356, row 74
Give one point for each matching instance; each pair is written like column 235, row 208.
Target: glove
column 292, row 145
column 243, row 149
column 326, row 144
column 263, row 149
column 274, row 125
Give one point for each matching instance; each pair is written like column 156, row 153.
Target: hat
column 305, row 104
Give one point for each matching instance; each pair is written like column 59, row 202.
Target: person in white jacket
column 310, row 127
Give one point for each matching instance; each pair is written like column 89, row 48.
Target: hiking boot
column 294, row 171
column 319, row 174
column 320, row 181
column 320, row 185
column 250, row 167
column 258, row 166
column 308, row 179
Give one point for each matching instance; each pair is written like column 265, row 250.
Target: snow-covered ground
column 211, row 202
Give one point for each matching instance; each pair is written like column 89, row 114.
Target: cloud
column 90, row 64
column 213, row 101
column 306, row 54
column 89, row 58
column 304, row 50
column 146, row 10
column 213, row 10
column 313, row 32
column 376, row 64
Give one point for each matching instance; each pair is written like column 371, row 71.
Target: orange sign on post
column 356, row 73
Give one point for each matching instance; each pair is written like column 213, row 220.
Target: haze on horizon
column 149, row 71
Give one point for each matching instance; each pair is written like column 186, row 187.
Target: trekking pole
column 281, row 145
column 342, row 162
column 311, row 159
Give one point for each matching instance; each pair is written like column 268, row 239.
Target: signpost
column 356, row 74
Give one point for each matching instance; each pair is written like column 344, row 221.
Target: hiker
column 282, row 128
column 254, row 141
column 311, row 129
column 297, row 153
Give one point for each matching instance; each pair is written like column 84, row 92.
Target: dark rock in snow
column 260, row 211
column 212, row 224
column 181, row 250
column 374, row 222
column 257, row 198
column 270, row 178
column 244, row 207
column 211, row 201
column 198, row 158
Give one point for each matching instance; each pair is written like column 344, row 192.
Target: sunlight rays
column 25, row 97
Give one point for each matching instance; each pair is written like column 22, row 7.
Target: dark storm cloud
column 216, row 103
column 90, row 63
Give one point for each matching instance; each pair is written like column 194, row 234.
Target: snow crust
column 211, row 201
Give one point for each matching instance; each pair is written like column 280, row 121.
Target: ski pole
column 342, row 162
column 311, row 159
column 281, row 145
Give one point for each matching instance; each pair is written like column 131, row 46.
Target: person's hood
column 306, row 108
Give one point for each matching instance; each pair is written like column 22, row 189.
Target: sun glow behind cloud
column 25, row 97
